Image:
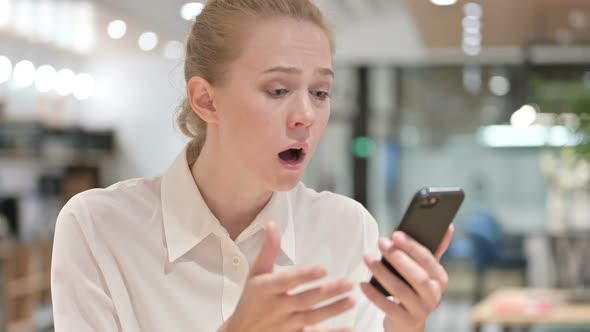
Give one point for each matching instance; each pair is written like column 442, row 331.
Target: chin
column 286, row 183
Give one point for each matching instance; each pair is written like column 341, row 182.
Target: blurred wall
column 509, row 179
column 138, row 96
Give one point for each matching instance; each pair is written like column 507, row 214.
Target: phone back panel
column 428, row 224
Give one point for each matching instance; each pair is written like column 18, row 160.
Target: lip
column 292, row 166
column 301, row 162
column 299, row 145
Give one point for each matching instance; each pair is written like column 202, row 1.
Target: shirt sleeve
column 81, row 300
column 368, row 317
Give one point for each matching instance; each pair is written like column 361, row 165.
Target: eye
column 277, row 93
column 321, row 95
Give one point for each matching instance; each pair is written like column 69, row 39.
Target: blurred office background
column 489, row 95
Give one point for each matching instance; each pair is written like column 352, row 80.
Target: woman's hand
column 427, row 277
column 267, row 303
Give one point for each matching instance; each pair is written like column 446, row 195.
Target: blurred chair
column 491, row 248
column 26, row 285
column 459, row 248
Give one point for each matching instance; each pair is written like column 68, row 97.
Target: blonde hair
column 214, row 43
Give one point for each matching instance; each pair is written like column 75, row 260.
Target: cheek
column 237, row 113
column 321, row 122
column 251, row 121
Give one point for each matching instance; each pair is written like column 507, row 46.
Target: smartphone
column 426, row 220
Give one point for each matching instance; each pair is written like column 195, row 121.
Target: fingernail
column 400, row 237
column 385, row 244
column 369, row 259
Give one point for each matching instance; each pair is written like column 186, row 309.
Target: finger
column 307, row 299
column 427, row 288
column 418, row 253
column 269, row 252
column 390, row 308
column 444, row 245
column 284, row 281
column 318, row 315
column 402, row 292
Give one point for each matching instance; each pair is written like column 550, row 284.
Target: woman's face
column 274, row 106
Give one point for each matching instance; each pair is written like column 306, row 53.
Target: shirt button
column 236, row 260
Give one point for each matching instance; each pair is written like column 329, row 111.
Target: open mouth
column 292, row 156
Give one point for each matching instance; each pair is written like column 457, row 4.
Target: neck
column 233, row 200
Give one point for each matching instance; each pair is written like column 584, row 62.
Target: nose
column 302, row 114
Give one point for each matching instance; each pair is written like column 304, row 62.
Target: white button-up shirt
column 148, row 255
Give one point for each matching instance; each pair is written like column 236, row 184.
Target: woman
column 228, row 239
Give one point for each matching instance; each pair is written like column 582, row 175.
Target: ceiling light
column 5, row 69
column 45, row 78
column 148, row 41
column 499, row 85
column 472, row 39
column 473, row 9
column 24, row 73
column 472, row 50
column 471, row 24
column 65, row 82
column 524, row 117
column 191, row 10
column 117, row 29
column 503, row 136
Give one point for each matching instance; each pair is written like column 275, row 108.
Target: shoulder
column 334, row 210
column 327, row 202
column 125, row 200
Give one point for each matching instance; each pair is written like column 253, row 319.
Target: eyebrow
column 294, row 70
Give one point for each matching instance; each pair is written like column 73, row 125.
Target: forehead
column 286, row 42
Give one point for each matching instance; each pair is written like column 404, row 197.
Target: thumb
column 269, row 252
column 444, row 245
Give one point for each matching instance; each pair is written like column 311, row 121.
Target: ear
column 200, row 97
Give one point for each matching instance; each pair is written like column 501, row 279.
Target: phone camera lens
column 429, row 202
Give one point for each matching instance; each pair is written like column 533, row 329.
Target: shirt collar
column 280, row 211
column 188, row 220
